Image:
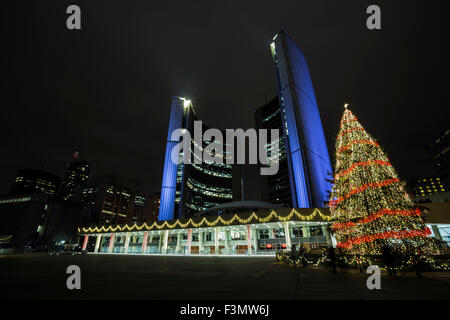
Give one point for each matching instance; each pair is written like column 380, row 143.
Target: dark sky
column 105, row 90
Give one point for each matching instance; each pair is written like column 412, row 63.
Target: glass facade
column 75, row 179
column 308, row 161
column 247, row 239
column 30, row 181
column 304, row 163
column 190, row 189
column 276, row 188
column 264, row 238
column 440, row 153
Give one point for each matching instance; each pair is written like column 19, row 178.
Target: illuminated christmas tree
column 369, row 204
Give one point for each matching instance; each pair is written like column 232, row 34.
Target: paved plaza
column 41, row 276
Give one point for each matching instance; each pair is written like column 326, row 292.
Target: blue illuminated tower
column 169, row 181
column 302, row 181
column 307, row 154
column 189, row 189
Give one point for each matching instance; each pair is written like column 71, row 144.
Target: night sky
column 106, row 90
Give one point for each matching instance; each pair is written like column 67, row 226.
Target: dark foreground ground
column 40, row 276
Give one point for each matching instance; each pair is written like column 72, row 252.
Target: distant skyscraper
column 30, row 181
column 116, row 205
column 424, row 187
column 138, row 207
column 108, row 201
column 304, row 144
column 189, row 189
column 440, row 152
column 75, row 179
column 152, row 209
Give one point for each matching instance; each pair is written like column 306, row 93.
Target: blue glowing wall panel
column 309, row 159
column 299, row 186
column 169, row 181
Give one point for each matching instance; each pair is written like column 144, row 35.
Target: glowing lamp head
column 186, row 103
column 345, row 106
column 272, row 49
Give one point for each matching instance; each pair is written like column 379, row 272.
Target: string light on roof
column 219, row 220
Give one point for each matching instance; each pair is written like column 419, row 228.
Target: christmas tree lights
column 369, row 206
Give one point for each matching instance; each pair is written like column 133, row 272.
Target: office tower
column 108, row 201
column 424, row 187
column 152, row 208
column 189, row 189
column 75, row 179
column 303, row 141
column 138, row 207
column 440, row 152
column 116, row 205
column 30, row 181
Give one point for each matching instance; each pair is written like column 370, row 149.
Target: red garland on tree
column 369, row 205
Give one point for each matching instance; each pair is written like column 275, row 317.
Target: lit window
column 238, row 235
column 264, row 234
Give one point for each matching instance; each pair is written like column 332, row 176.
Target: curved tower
column 189, row 189
column 307, row 154
column 305, row 167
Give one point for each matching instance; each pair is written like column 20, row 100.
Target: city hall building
column 201, row 209
column 242, row 228
column 189, row 190
column 248, row 232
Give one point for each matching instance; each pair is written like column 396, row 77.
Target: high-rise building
column 138, row 207
column 30, row 181
column 303, row 179
column 75, row 179
column 116, row 205
column 189, row 189
column 152, row 209
column 108, row 201
column 275, row 188
column 440, row 152
column 420, row 188
column 303, row 146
